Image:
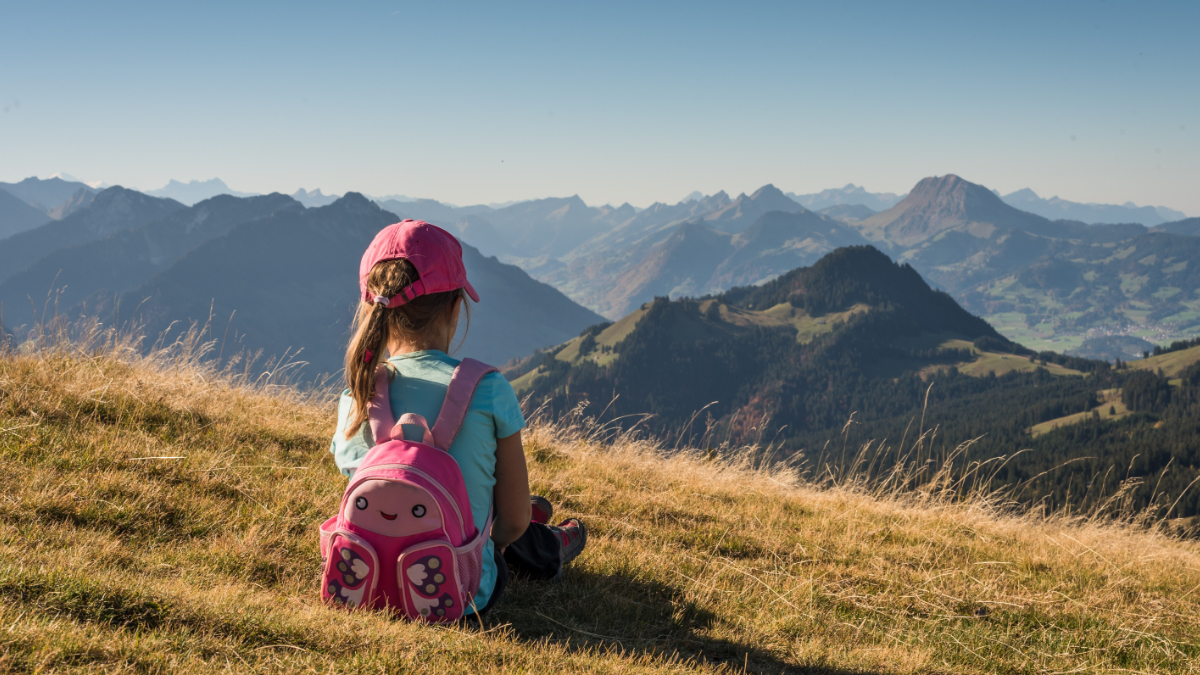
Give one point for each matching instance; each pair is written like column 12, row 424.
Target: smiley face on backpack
column 392, row 508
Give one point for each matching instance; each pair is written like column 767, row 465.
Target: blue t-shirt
column 420, row 387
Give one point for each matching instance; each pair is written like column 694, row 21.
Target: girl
column 414, row 287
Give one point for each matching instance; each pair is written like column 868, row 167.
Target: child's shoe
column 541, row 509
column 572, row 536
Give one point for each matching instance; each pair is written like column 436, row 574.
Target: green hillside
column 854, row 316
column 1171, row 363
column 858, row 349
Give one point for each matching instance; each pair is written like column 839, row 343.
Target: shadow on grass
column 596, row 612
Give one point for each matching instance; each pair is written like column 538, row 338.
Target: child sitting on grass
column 414, row 287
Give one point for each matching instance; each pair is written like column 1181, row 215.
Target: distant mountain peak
column 313, row 198
column 355, row 203
column 850, row 194
column 1023, row 193
column 946, row 182
column 768, row 191
column 211, row 182
column 195, row 191
column 114, row 194
column 939, row 203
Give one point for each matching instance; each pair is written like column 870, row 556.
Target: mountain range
column 113, row 210
column 88, row 276
column 849, row 195
column 282, row 278
column 195, row 191
column 44, row 194
column 290, row 279
column 961, row 236
column 1055, row 208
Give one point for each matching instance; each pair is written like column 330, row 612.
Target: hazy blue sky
column 638, row 102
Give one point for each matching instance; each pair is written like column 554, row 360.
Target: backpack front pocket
column 351, row 571
column 429, row 582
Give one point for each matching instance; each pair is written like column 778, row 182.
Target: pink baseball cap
column 435, row 253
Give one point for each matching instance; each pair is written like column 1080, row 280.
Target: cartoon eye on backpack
column 404, row 537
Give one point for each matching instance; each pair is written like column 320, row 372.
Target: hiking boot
column 572, row 536
column 541, row 510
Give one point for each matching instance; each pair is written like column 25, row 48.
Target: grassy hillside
column 156, row 516
column 1170, row 363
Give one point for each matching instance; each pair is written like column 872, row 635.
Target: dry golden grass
column 208, row 561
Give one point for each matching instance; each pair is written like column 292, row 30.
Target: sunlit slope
column 1171, row 363
column 157, row 519
column 717, row 318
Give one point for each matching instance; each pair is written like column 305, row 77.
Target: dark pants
column 536, row 555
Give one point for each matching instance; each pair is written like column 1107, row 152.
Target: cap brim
column 471, row 291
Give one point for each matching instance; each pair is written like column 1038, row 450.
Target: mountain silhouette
column 850, row 195
column 290, row 280
column 1188, row 226
column 1056, row 209
column 16, row 215
column 194, row 191
column 314, row 198
column 939, row 204
column 112, row 210
column 93, row 273
column 744, row 210
column 43, row 194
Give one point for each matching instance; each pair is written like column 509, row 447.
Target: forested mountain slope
column 856, row 338
column 758, row 352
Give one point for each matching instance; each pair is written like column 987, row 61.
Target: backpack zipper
column 422, row 474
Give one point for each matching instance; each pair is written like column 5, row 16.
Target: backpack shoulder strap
column 380, row 408
column 458, row 398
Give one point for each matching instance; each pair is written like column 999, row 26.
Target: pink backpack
column 404, row 537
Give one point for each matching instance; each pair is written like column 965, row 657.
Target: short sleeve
column 348, row 453
column 506, row 409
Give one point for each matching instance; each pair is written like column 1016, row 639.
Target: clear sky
column 639, row 102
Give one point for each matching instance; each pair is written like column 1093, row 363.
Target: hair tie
column 367, row 356
column 382, row 300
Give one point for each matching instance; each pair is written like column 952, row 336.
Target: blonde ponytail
column 375, row 324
